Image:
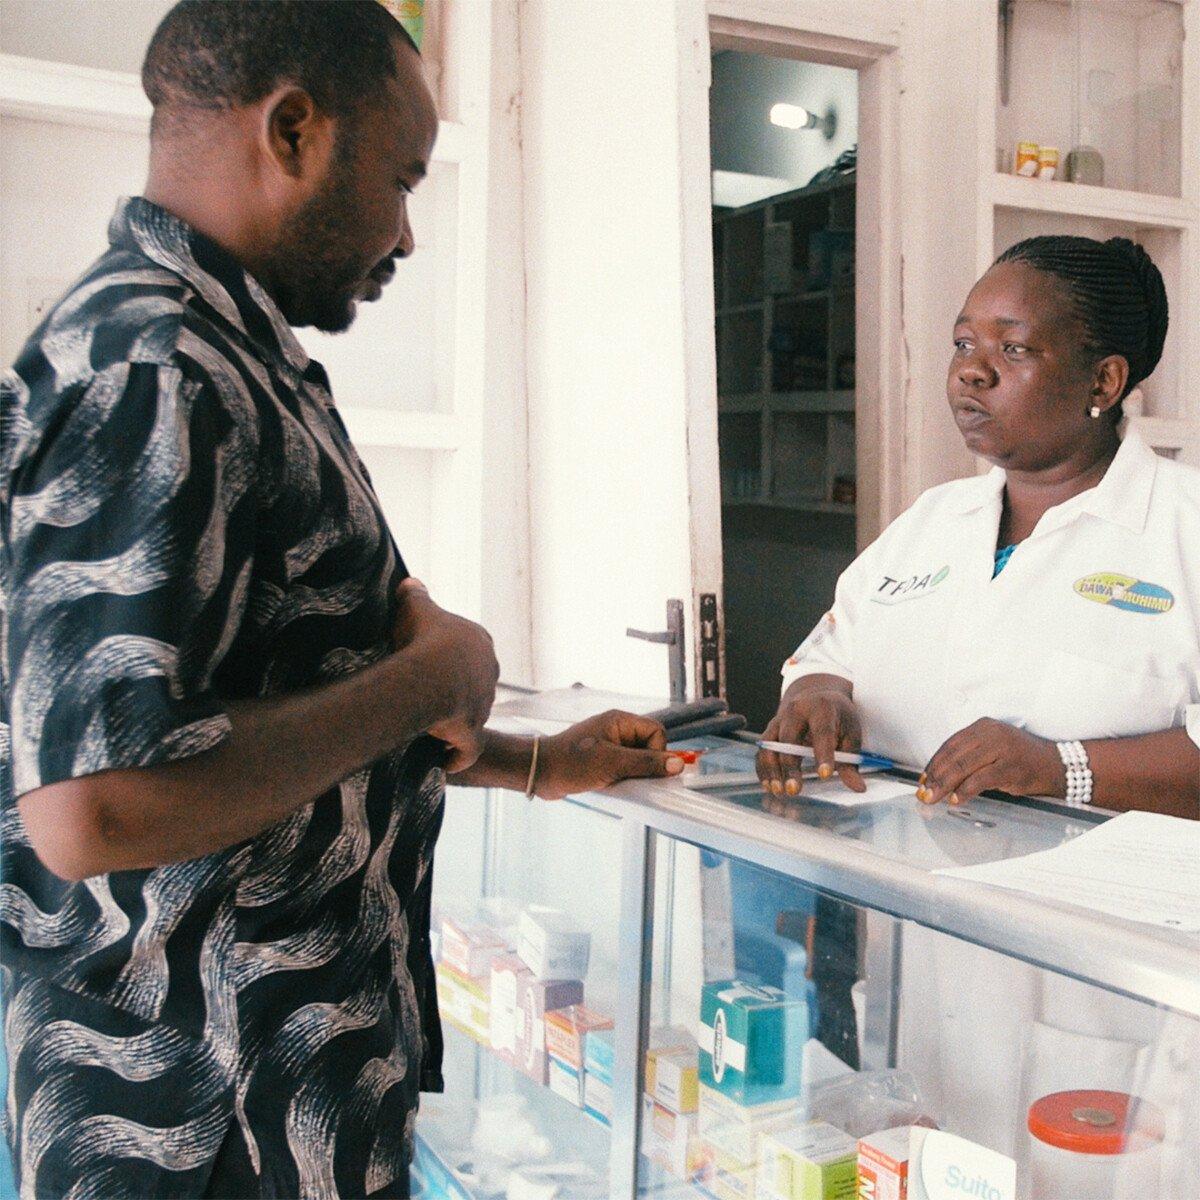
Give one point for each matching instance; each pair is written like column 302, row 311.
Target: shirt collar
column 217, row 277
column 1122, row 496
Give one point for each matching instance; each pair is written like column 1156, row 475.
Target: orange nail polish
column 825, row 771
column 792, row 787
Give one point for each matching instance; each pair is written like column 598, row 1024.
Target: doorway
column 784, row 143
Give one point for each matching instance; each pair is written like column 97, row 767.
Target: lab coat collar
column 1122, row 496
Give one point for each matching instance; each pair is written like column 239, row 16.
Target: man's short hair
column 214, row 54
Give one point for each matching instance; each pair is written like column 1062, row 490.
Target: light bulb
column 792, row 116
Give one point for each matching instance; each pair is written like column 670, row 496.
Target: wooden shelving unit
column 784, row 271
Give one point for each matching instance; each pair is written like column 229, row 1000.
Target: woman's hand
column 992, row 755
column 816, row 711
column 600, row 751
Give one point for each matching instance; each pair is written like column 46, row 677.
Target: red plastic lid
column 1095, row 1122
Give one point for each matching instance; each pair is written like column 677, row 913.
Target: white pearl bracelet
column 1079, row 773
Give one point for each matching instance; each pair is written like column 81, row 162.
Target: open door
column 792, row 307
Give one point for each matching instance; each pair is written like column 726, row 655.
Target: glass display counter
column 757, row 997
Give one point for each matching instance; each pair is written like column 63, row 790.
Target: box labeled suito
column 815, row 1161
column 536, row 997
column 552, row 944
column 567, row 1030
column 752, row 1041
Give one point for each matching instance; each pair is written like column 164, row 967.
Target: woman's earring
column 1094, row 411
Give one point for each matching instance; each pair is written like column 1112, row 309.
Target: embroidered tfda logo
column 1125, row 592
column 896, row 591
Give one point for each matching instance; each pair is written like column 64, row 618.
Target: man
column 231, row 713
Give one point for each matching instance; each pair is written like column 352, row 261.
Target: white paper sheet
column 880, row 788
column 1140, row 866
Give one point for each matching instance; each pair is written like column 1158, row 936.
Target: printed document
column 1140, row 866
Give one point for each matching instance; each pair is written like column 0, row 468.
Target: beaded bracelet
column 1079, row 773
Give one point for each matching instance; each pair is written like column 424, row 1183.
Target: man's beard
column 316, row 284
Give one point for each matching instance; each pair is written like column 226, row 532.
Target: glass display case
column 1098, row 81
column 769, row 998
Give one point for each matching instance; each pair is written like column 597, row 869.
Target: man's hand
column 815, row 711
column 987, row 755
column 460, row 659
column 600, row 751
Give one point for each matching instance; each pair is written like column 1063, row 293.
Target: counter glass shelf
column 787, row 977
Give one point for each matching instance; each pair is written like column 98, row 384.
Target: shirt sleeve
column 129, row 539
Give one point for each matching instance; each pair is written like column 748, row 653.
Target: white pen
column 843, row 756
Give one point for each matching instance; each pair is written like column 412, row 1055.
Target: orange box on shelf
column 566, row 1029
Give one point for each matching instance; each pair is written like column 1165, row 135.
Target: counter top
column 885, row 856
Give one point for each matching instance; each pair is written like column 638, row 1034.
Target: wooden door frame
column 799, row 31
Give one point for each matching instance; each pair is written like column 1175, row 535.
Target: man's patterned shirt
column 183, row 525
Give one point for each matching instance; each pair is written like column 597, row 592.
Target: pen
column 842, row 756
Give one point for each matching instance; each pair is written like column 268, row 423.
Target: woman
column 1035, row 630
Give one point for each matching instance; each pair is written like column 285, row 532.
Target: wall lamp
column 792, row 116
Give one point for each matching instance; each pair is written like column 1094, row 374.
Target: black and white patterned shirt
column 185, row 525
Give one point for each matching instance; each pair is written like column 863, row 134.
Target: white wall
column 58, row 187
column 110, row 34
column 745, row 86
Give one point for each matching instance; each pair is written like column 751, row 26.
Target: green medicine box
column 751, row 1042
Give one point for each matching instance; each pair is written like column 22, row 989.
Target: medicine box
column 551, row 943
column 597, row 1097
column 565, row 1080
column 507, row 974
column 733, row 1129
column 813, row 1162
column 883, row 1162
column 664, row 1039
column 676, row 1080
column 536, row 997
column 464, row 1002
column 752, row 1041
column 598, row 1053
column 470, row 947
column 670, row 1139
column 736, row 1184
column 567, row 1030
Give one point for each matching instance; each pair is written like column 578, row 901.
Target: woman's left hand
column 987, row 755
column 601, row 751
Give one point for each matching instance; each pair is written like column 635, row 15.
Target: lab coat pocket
column 1080, row 697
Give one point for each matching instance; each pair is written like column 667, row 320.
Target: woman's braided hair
column 1117, row 292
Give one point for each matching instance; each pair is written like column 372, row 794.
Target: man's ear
column 296, row 135
column 1108, row 382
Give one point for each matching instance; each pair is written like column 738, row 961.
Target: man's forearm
column 282, row 752
column 504, row 763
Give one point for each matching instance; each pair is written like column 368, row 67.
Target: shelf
column 810, row 402
column 829, row 507
column 1083, row 200
column 840, row 401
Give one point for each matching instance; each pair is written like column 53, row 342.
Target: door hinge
column 710, row 646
